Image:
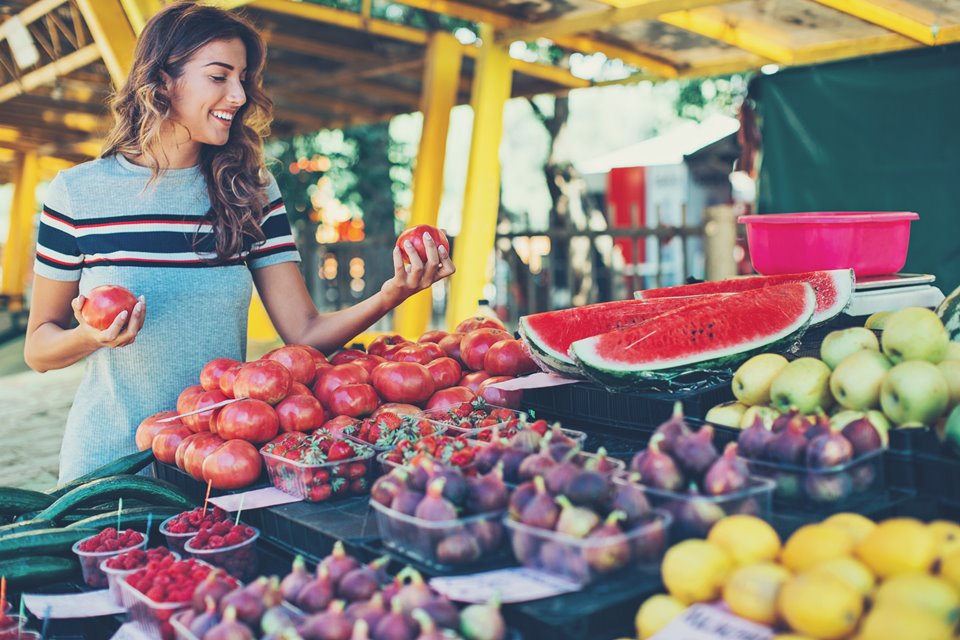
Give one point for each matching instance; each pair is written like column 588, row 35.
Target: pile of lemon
column 845, row 577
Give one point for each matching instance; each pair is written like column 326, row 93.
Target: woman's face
column 206, row 97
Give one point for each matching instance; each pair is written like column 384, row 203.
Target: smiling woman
column 180, row 210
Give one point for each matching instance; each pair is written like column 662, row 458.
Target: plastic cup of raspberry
column 92, row 551
column 231, row 547
column 128, row 562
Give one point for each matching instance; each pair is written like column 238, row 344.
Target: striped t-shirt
column 102, row 224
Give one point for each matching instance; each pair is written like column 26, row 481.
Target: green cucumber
column 98, row 491
column 42, row 542
column 29, row 525
column 14, row 501
column 34, row 571
column 130, row 519
column 126, row 465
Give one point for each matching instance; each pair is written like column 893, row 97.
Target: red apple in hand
column 415, row 236
column 103, row 304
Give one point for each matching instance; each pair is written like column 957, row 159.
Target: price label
column 704, row 622
column 517, row 584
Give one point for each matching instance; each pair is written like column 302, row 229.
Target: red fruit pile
column 479, row 415
column 221, row 534
column 451, row 451
column 320, row 480
column 169, row 580
column 221, row 544
column 137, row 558
column 110, row 540
column 193, row 521
column 389, row 429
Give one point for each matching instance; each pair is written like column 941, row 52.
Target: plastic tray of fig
column 827, row 490
column 584, row 560
column 479, row 537
column 694, row 514
column 181, row 629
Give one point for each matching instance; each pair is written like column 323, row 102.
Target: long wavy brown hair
column 235, row 173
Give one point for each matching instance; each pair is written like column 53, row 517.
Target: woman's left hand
column 418, row 275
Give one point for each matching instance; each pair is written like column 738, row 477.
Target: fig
column 754, row 439
column 511, row 461
column 361, row 583
column 206, row 620
column 557, row 436
column 630, row 498
column 442, row 612
column 487, row 493
column 406, row 501
column 789, row 446
column 488, row 533
column 560, row 474
column 332, row 624
column 526, row 547
column 385, row 489
column 656, row 468
column 414, row 593
column 369, row 612
column 519, row 499
column 396, row 625
column 781, row 421
column 863, row 477
column 434, row 507
column 589, row 489
column 489, row 455
column 338, row 563
column 819, row 427
column 600, row 462
column 863, row 435
column 526, row 440
column 229, row 628
column 608, row 549
column 540, row 511
column 216, row 585
column 673, row 429
column 537, row 464
column 361, row 630
column 428, row 629
column 695, row 452
column 559, row 448
column 832, row 487
column 298, row 577
column 649, row 545
column 483, row 622
column 696, row 514
column 828, row 451
column 575, row 521
column 420, row 474
column 316, row 595
column 727, row 475
column 563, row 559
column 247, row 606
column 459, row 548
column 277, row 618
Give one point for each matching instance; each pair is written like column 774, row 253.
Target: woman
column 180, row 210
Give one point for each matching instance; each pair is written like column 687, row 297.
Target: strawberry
column 340, row 450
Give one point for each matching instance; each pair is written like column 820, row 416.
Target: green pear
column 855, row 382
column 804, row 384
column 951, row 372
column 953, row 351
column 751, row 382
column 840, row 344
column 766, row 414
column 877, row 321
column 880, row 421
column 914, row 393
column 728, row 414
column 915, row 333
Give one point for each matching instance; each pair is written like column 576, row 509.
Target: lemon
column 820, row 606
column 898, row 545
column 947, row 536
column 751, row 591
column 747, row 539
column 655, row 613
column 850, row 571
column 694, row 571
column 812, row 544
column 922, row 592
column 901, row 623
column 854, row 524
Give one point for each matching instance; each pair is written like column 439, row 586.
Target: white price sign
column 703, row 622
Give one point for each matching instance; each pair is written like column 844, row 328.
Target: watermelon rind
column 949, row 313
column 618, row 374
column 547, row 360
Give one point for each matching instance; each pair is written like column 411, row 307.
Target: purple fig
column 511, row 461
column 370, row 611
column 695, row 452
column 229, row 628
column 863, row 435
column 489, row 455
column 696, row 514
column 673, row 429
column 600, row 462
column 575, row 521
column 332, row 624
column 540, row 511
column 630, row 498
column 563, row 559
column 557, row 436
column 278, row 617
column 316, row 595
column 295, row 580
column 420, row 474
column 754, row 439
column 828, row 487
column 338, row 563
column 828, row 451
column 537, row 464
column 488, row 533
column 385, row 489
column 727, row 475
column 406, row 501
column 442, row 612
column 656, row 468
column 526, row 440
column 361, row 630
column 781, row 421
column 608, row 549
column 457, row 549
column 526, row 547
column 414, row 593
column 560, row 475
column 818, row 427
column 434, row 507
column 396, row 625
column 483, row 622
column 428, row 628
column 216, row 585
column 519, row 499
column 790, row 445
column 589, row 489
column 487, row 493
column 204, row 621
column 361, row 583
column 454, row 486
column 248, row 607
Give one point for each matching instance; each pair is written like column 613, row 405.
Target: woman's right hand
column 121, row 333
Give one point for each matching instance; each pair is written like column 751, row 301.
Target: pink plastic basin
column 871, row 243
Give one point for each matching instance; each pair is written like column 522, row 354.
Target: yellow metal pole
column 481, row 201
column 113, row 33
column 16, row 252
column 441, row 78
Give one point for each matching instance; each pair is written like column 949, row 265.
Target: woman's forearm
column 331, row 331
column 53, row 347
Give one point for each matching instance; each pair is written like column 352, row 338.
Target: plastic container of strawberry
column 472, row 417
column 386, row 431
column 234, row 552
column 325, row 479
column 454, row 451
column 93, row 575
column 191, row 521
column 124, row 569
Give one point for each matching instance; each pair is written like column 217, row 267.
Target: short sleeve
column 58, row 255
column 279, row 245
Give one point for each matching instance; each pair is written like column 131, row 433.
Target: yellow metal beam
column 441, row 78
column 49, row 73
column 16, row 251
column 745, row 36
column 653, row 64
column 139, row 11
column 33, row 12
column 481, row 200
column 346, row 19
column 113, row 34
column 893, row 15
column 462, row 11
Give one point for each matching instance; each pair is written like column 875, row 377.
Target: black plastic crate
column 910, row 440
column 900, row 470
column 938, row 475
column 195, row 489
column 881, row 505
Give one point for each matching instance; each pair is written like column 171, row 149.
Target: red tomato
column 103, row 304
column 450, row 398
column 368, row 362
column 201, row 421
column 347, row 355
column 213, row 420
column 300, row 413
column 509, row 399
column 415, row 236
column 473, row 380
column 433, row 336
column 299, row 389
column 433, row 350
column 410, row 353
column 445, row 372
column 333, row 377
column 251, row 420
column 508, row 358
column 379, row 344
column 211, row 372
column 354, row 400
column 451, row 345
column 151, row 426
column 478, row 322
column 319, row 360
column 337, row 425
column 200, row 448
column 232, row 465
column 228, row 378
column 298, row 361
column 263, row 380
column 476, row 343
column 396, row 408
column 407, row 382
column 187, row 398
column 167, row 440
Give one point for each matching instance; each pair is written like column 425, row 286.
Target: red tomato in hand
column 473, row 380
column 188, row 397
column 499, row 397
column 333, row 377
column 354, row 400
column 450, row 398
column 211, row 372
column 409, row 353
column 478, row 322
column 433, row 336
column 151, row 426
column 300, row 413
column 199, row 422
column 508, row 358
column 379, row 345
column 167, row 440
column 446, row 372
column 227, row 378
column 451, row 345
column 475, row 345
column 407, row 382
column 298, row 361
column 348, row 355
column 415, row 236
column 103, row 304
column 251, row 420
column 232, row 465
column 263, row 380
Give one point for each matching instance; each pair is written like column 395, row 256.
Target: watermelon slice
column 834, row 289
column 548, row 335
column 715, row 336
column 949, row 312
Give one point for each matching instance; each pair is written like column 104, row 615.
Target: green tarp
column 872, row 134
